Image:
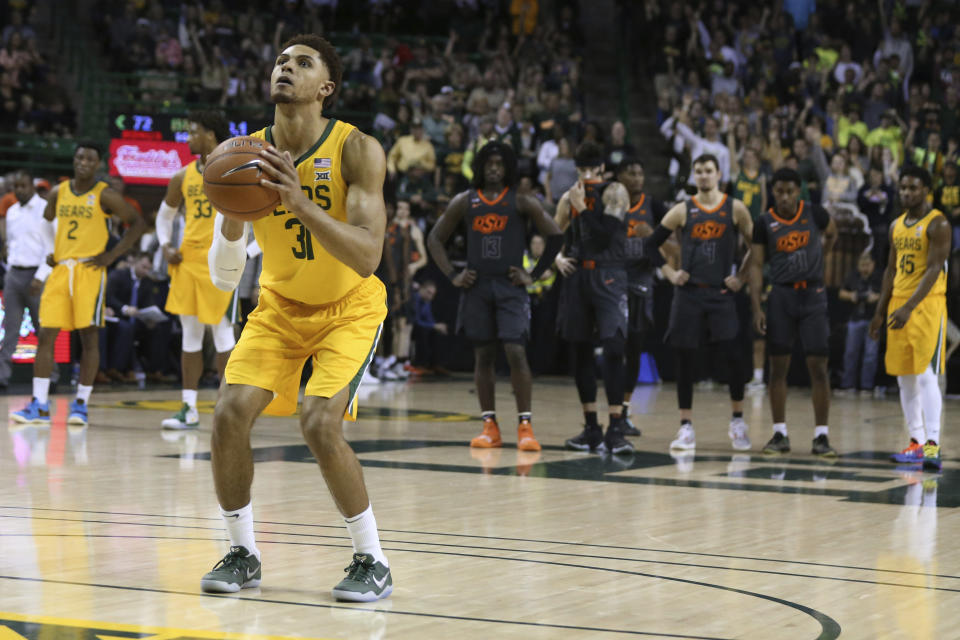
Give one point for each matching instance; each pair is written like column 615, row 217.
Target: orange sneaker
column 490, row 437
column 912, row 454
column 525, row 439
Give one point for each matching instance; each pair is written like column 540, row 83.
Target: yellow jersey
column 198, row 229
column 82, row 223
column 295, row 264
column 912, row 244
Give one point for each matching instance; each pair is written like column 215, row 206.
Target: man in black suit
column 129, row 290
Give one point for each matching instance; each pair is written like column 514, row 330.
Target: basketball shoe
column 525, row 439
column 821, row 447
column 490, row 437
column 629, row 429
column 587, row 440
column 739, row 437
column 187, row 418
column 912, row 454
column 686, row 438
column 779, row 443
column 367, row 580
column 33, row 413
column 931, row 456
column 614, row 440
column 78, row 413
column 239, row 569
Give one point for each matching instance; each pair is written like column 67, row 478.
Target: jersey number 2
column 73, row 227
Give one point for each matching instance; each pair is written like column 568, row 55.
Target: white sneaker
column 399, row 371
column 187, row 418
column 738, row 434
column 386, row 374
column 686, row 438
column 369, row 378
column 756, row 385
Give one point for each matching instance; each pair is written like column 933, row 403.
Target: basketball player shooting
column 319, row 299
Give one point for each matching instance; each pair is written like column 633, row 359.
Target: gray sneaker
column 367, row 580
column 239, row 569
column 779, row 443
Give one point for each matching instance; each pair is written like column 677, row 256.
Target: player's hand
column 899, row 318
column 172, row 255
column 50, row 261
column 282, row 177
column 465, row 279
column 642, row 230
column 578, row 196
column 679, row 277
column 565, row 265
column 36, row 287
column 441, row 328
column 100, row 260
column 875, row 324
column 733, row 283
column 519, row 277
column 760, row 322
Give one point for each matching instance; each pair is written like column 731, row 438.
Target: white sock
column 363, row 532
column 780, row 427
column 41, row 390
column 931, row 403
column 190, row 397
column 820, row 430
column 83, row 393
column 758, row 375
column 912, row 407
column 240, row 528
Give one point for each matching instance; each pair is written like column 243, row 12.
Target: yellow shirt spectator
column 413, row 149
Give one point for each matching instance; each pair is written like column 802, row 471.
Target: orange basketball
column 231, row 180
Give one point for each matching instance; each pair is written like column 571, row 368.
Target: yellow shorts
column 919, row 344
column 73, row 297
column 281, row 334
column 192, row 292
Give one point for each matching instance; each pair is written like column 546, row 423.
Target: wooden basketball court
column 106, row 531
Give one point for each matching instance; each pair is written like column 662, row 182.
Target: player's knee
column 192, row 334
column 230, row 417
column 485, row 354
column 516, row 354
column 817, row 366
column 321, row 426
column 614, row 347
column 223, row 337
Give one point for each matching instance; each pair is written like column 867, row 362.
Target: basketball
column 231, row 180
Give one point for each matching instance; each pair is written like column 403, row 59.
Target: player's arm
column 615, row 202
column 561, row 217
column 672, row 220
column 744, row 224
column 111, row 200
column 547, row 227
column 48, row 234
column 939, row 232
column 417, row 236
column 886, row 289
column 357, row 242
column 439, row 235
column 166, row 215
column 758, row 255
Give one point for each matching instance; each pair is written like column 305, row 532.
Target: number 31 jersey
column 295, row 264
column 912, row 244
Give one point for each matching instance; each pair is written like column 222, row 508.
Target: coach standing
column 25, row 251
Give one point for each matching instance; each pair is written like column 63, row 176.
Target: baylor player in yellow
column 193, row 296
column 318, row 301
column 73, row 298
column 913, row 305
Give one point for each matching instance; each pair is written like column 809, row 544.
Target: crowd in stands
column 757, row 85
column 31, row 102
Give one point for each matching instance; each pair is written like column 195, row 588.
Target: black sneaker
column 629, row 429
column 779, row 443
column 821, row 447
column 614, row 442
column 587, row 440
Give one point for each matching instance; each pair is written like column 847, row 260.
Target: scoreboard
column 149, row 148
